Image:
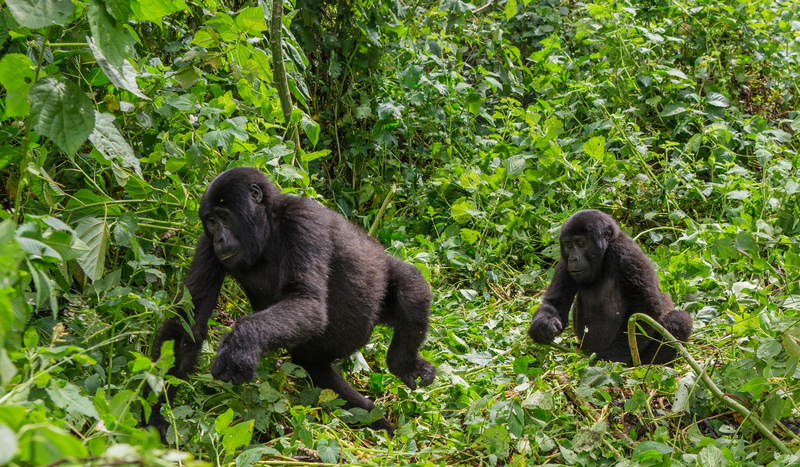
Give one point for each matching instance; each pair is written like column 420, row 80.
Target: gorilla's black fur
column 609, row 278
column 317, row 283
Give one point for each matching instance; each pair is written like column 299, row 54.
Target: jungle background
column 462, row 135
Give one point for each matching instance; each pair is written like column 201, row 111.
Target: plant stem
column 746, row 414
column 281, row 82
column 23, row 167
column 385, row 204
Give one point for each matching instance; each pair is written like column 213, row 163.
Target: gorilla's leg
column 407, row 310
column 679, row 324
column 325, row 376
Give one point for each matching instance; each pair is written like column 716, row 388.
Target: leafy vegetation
column 487, row 125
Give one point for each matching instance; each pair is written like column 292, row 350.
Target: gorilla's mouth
column 224, row 257
column 576, row 271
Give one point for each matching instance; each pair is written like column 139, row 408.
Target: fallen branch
column 746, row 414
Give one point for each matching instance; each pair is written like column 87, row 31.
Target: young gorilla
column 317, row 283
column 610, row 278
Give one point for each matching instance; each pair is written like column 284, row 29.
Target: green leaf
column 511, row 9
column 222, row 422
column 251, row 21
column 310, row 156
column 36, row 14
column 114, row 42
column 69, row 398
column 10, row 445
column 61, row 111
column 328, row 450
column 717, row 100
column 515, row 166
column 712, row 456
column 745, row 241
column 311, row 129
column 474, row 103
column 7, row 368
column 122, row 75
column 155, row 10
column 238, row 435
column 46, row 444
column 16, row 75
column 94, row 233
column 672, row 109
column 595, row 148
column 791, row 341
column 108, row 140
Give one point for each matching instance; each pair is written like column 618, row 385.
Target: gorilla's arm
column 553, row 314
column 301, row 314
column 640, row 282
column 204, row 282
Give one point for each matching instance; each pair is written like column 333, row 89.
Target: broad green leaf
column 46, row 444
column 595, row 147
column 94, row 233
column 108, row 140
column 16, row 75
column 745, row 241
column 515, row 166
column 155, row 10
column 712, row 456
column 768, row 348
column 717, row 100
column 474, row 103
column 69, row 398
column 36, row 14
column 328, row 450
column 110, row 37
column 791, row 341
column 410, row 76
column 222, row 422
column 238, row 435
column 792, row 187
column 251, row 21
column 9, row 442
column 61, row 111
column 511, row 9
column 672, row 109
column 123, row 75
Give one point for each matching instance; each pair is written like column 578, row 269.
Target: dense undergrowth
column 488, row 124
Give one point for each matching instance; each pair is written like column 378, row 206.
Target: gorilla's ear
column 255, row 193
column 608, row 232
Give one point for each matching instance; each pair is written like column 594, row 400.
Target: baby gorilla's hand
column 545, row 325
column 235, row 362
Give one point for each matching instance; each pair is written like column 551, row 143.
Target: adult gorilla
column 609, row 278
column 317, row 283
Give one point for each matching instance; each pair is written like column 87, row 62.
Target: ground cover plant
column 461, row 135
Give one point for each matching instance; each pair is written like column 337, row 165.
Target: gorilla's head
column 584, row 239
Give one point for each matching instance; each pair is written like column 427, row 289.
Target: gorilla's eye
column 581, row 243
column 222, row 216
column 568, row 245
column 211, row 221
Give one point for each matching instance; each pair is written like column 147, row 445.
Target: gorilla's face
column 219, row 224
column 235, row 221
column 583, row 257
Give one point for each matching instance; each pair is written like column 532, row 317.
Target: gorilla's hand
column 545, row 325
column 236, row 360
